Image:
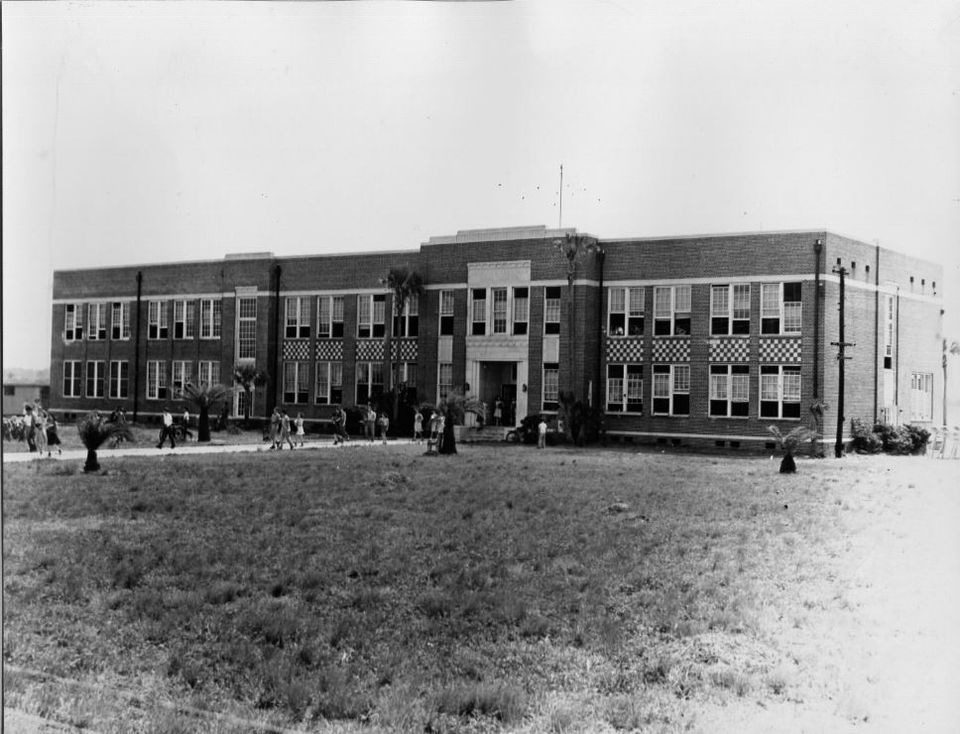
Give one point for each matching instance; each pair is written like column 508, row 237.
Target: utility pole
column 842, row 358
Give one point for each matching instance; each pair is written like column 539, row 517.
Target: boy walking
column 166, row 428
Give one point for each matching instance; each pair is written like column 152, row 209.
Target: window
column 97, row 321
column 625, row 311
column 329, row 383
column 730, row 309
column 671, row 310
column 551, row 310
column 247, row 328
column 296, row 382
column 71, row 379
column 446, row 313
column 551, row 386
column 9, row 390
column 371, row 312
column 184, row 319
column 781, row 311
column 888, row 331
column 96, row 379
column 730, row 390
column 521, row 310
column 408, row 323
column 210, row 318
column 182, row 374
column 406, row 374
column 297, row 318
column 779, row 391
column 499, row 310
column 208, row 373
column 671, row 389
column 444, row 379
column 156, row 380
column 478, row 311
column 624, row 388
column 73, row 322
column 369, row 381
column 330, row 317
column 119, row 378
column 120, row 320
column 158, row 324
column 921, row 396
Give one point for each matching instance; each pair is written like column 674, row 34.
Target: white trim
column 709, row 436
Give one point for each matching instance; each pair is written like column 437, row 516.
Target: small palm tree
column 790, row 442
column 203, row 397
column 452, row 410
column 249, row 377
column 95, row 431
column 403, row 283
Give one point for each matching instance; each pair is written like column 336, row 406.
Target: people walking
column 29, row 427
column 384, row 421
column 299, row 425
column 340, row 425
column 166, row 428
column 187, row 433
column 370, row 423
column 285, row 431
column 53, row 435
column 275, row 429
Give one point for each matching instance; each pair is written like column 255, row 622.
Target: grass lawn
column 498, row 590
column 145, row 437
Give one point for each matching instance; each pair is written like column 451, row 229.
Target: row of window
column 781, row 309
column 102, row 379
column 729, row 390
column 89, row 321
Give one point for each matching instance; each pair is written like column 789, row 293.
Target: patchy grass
column 496, row 590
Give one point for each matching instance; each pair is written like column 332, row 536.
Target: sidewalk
column 189, row 449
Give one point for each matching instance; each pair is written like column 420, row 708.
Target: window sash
column 71, row 379
column 444, row 379
column 119, row 379
column 156, row 380
column 208, row 372
column 96, row 378
column 551, row 386
column 120, row 320
column 182, row 374
column 96, row 321
column 499, row 310
column 211, row 318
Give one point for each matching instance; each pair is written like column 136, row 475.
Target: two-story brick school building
column 677, row 339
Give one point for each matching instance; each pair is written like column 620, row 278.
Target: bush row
column 872, row 439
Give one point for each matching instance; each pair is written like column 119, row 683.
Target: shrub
column 865, row 439
column 906, row 439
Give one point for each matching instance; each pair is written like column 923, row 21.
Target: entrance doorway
column 498, row 381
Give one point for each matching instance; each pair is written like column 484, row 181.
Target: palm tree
column 452, row 410
column 403, row 283
column 203, row 397
column 789, row 443
column 95, row 431
column 249, row 377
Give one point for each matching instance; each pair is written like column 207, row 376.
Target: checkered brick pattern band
column 369, row 350
column 296, row 349
column 407, row 348
column 779, row 350
column 329, row 351
column 729, row 350
column 624, row 350
column 671, row 350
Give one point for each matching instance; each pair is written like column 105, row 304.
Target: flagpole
column 560, row 220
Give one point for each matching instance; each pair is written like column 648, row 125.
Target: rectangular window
column 209, row 373
column 247, row 328
column 407, row 374
column 551, row 310
column 182, row 374
column 97, row 321
column 73, row 322
column 730, row 309
column 156, row 380
column 211, row 318
column 72, row 382
column 119, row 378
column 330, row 317
column 889, row 312
column 120, row 320
column 444, row 379
column 921, row 396
column 329, row 383
column 781, row 310
column 671, row 310
column 625, row 311
column 551, row 386
column 779, row 391
column 499, row 310
column 184, row 319
column 521, row 310
column 729, row 390
column 296, row 382
column 408, row 323
column 158, row 320
column 446, row 313
column 297, row 317
column 96, row 379
column 371, row 312
column 624, row 388
column 369, row 381
column 671, row 389
column 478, row 311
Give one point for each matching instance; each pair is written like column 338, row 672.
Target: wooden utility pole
column 841, row 358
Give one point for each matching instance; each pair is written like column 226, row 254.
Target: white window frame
column 211, row 318
column 729, row 384
column 73, row 321
column 550, row 401
column 368, row 371
column 330, row 317
column 921, row 396
column 96, row 321
column 624, row 388
column 672, row 304
column 552, row 309
column 781, row 385
column 671, row 382
column 208, row 372
column 158, row 320
column 521, row 310
column 296, row 382
column 72, row 378
column 96, row 379
column 296, row 321
column 371, row 315
column 408, row 323
column 889, row 319
column 446, row 312
column 478, row 312
column 499, row 310
column 626, row 307
column 181, row 374
column 120, row 320
column 329, row 383
column 184, row 319
column 444, row 379
column 788, row 314
column 156, row 380
column 119, row 378
column 247, row 342
column 727, row 303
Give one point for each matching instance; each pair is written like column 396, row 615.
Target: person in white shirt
column 166, row 429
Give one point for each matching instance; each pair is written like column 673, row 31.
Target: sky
column 136, row 132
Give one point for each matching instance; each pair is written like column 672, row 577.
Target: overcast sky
column 139, row 132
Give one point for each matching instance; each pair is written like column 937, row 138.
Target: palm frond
column 204, row 395
column 94, row 431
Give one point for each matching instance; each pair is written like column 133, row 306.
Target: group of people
column 40, row 430
column 168, row 429
column 283, row 430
